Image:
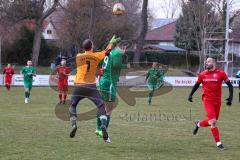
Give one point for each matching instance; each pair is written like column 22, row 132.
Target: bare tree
column 18, row 10
column 85, row 19
column 38, row 30
column 170, row 7
column 221, row 6
column 92, row 19
column 197, row 18
column 143, row 31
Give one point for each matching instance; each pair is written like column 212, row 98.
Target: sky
column 158, row 7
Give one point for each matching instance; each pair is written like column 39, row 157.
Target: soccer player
column 153, row 79
column 112, row 65
column 8, row 72
column 211, row 80
column 238, row 76
column 85, row 84
column 28, row 73
column 62, row 73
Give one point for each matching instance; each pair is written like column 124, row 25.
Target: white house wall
column 234, row 48
column 52, row 36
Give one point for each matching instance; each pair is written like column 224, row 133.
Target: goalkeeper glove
column 114, row 40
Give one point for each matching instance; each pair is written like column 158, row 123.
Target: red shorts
column 212, row 108
column 8, row 79
column 62, row 86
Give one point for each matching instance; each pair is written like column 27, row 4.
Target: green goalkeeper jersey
column 112, row 65
column 28, row 73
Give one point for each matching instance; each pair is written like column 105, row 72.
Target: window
column 49, row 31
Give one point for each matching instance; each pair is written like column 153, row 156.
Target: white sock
column 103, row 117
column 198, row 124
column 219, row 143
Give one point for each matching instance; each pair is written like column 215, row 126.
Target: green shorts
column 28, row 85
column 107, row 90
column 152, row 86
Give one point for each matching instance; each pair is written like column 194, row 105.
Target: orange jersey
column 87, row 64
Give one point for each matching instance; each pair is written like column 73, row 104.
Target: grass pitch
column 141, row 132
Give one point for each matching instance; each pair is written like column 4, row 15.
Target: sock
column 108, row 120
column 73, row 115
column 7, row 86
column 215, row 134
column 149, row 98
column 98, row 122
column 203, row 123
column 64, row 97
column 27, row 95
column 103, row 119
column 60, row 97
column 150, row 95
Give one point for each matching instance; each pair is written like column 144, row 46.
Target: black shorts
column 89, row 91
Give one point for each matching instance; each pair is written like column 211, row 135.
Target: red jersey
column 8, row 72
column 212, row 83
column 62, row 71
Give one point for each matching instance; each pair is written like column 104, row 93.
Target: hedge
column 167, row 58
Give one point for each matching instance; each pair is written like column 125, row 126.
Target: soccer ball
column 118, row 9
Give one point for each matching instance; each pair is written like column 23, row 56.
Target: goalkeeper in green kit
column 154, row 80
column 112, row 65
column 28, row 72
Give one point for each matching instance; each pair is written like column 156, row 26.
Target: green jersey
column 153, row 76
column 112, row 65
column 27, row 73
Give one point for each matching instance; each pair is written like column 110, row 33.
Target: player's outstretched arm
column 194, row 89
column 101, row 55
column 230, row 98
column 114, row 40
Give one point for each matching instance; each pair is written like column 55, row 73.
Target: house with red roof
column 162, row 38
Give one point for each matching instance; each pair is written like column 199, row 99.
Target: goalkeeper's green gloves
column 114, row 40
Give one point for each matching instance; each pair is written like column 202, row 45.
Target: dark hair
column 214, row 59
column 87, row 45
